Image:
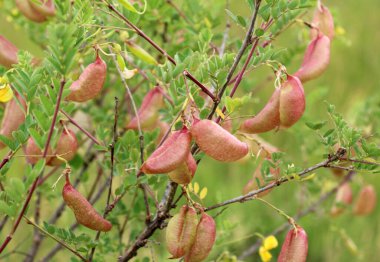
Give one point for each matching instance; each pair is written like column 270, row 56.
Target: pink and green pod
column 84, row 212
column 295, row 246
column 170, row 155
column 217, row 142
column 366, row 201
column 90, row 82
column 343, row 197
column 324, row 21
column 185, row 172
column 29, row 12
column 44, row 7
column 66, row 148
column 284, row 108
column 204, row 240
column 33, row 153
column 316, row 59
column 14, row 117
column 149, row 110
column 8, row 53
column 181, row 230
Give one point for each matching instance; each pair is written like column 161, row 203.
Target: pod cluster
column 188, row 237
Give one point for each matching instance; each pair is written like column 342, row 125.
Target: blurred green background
column 352, row 77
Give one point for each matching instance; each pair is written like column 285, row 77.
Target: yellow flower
column 270, row 242
column 265, row 255
column 6, row 92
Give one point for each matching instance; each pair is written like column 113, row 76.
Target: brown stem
column 88, row 134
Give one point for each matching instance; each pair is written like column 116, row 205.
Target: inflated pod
column 316, row 59
column 295, row 246
column 33, row 153
column 180, row 233
column 257, row 181
column 204, row 240
column 45, row 7
column 343, row 197
column 13, row 118
column 8, row 52
column 66, row 148
column 170, row 155
column 324, row 21
column 148, row 112
column 217, row 142
column 90, row 82
column 29, row 12
column 84, row 212
column 284, row 108
column 366, row 201
column 185, row 172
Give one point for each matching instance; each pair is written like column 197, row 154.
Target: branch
column 253, row 249
column 34, row 185
column 251, row 195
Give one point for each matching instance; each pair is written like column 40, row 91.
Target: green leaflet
column 127, row 5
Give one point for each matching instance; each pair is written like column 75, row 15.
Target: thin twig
column 226, row 32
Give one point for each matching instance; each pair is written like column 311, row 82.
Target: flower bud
column 84, row 212
column 185, row 172
column 180, row 233
column 343, row 197
column 295, row 246
column 170, row 155
column 13, row 117
column 149, row 110
column 217, row 142
column 8, row 53
column 324, row 21
column 366, row 201
column 284, row 108
column 204, row 240
column 67, row 147
column 90, row 82
column 316, row 59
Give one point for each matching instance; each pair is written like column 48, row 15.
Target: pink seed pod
column 204, row 240
column 148, row 112
column 29, row 12
column 257, row 181
column 295, row 246
column 45, row 8
column 180, row 233
column 90, row 82
column 284, row 108
column 343, row 197
column 13, row 117
column 217, row 142
column 170, row 155
column 316, row 59
column 84, row 212
column 8, row 53
column 34, row 153
column 324, row 21
column 67, row 147
column 185, row 172
column 366, row 201
column 292, row 102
